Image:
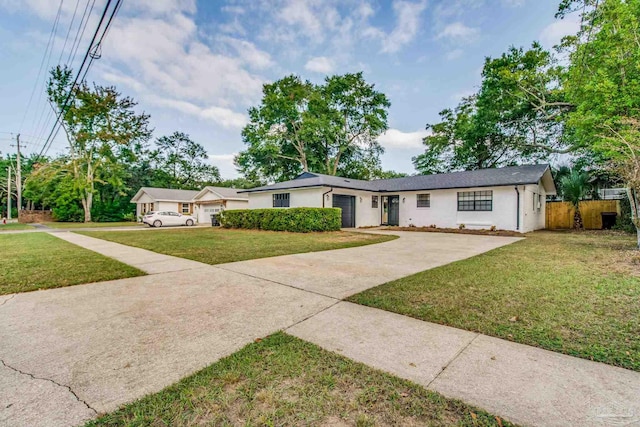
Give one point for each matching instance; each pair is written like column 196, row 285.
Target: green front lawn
column 33, row 261
column 282, row 380
column 14, row 226
column 92, row 224
column 574, row 293
column 217, row 246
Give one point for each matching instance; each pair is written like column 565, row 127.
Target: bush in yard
column 298, row 220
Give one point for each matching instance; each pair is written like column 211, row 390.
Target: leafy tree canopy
column 330, row 128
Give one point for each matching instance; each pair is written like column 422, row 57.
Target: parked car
column 165, row 218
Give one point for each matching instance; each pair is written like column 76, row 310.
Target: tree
column 101, row 126
column 181, row 163
column 330, row 128
column 517, row 115
column 603, row 82
column 575, row 186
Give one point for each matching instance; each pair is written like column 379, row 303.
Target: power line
column 49, row 45
column 90, row 49
column 42, row 126
column 73, row 18
column 74, row 46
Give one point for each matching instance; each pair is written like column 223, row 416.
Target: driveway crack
column 51, row 381
column 8, row 299
column 444, row 368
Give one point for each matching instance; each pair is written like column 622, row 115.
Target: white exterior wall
column 443, row 211
column 534, row 215
column 298, row 198
column 144, row 198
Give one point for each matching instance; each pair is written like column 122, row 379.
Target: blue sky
column 197, row 66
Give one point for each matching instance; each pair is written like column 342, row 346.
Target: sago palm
column 574, row 187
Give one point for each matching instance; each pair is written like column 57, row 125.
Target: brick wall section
column 27, row 217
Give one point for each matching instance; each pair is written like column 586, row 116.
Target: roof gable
column 165, row 194
column 221, row 192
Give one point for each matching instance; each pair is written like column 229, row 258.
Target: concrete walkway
column 67, row 354
column 523, row 384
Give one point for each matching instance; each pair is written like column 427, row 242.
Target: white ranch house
column 510, row 198
column 201, row 204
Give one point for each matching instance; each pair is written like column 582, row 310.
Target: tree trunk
column 577, row 220
column 87, row 202
column 633, row 202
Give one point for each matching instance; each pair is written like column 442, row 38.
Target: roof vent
column 346, row 180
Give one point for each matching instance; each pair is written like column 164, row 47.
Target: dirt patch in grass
column 572, row 292
column 217, row 246
column 34, row 261
column 286, row 381
column 505, row 233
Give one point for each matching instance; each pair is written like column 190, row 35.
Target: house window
column 281, row 200
column 186, row 208
column 475, row 200
column 374, row 202
column 424, row 200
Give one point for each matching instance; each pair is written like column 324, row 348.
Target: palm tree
column 575, row 186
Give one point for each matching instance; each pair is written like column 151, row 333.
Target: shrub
column 624, row 221
column 298, row 220
column 461, row 227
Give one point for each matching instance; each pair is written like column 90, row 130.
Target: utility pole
column 19, row 175
column 9, row 192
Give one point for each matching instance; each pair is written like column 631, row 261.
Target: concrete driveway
column 345, row 272
column 70, row 353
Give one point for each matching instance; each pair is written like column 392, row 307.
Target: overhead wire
column 77, row 40
column 44, row 58
column 88, row 55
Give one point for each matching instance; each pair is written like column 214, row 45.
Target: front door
column 348, row 206
column 390, row 210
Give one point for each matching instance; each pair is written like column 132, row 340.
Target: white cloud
column 224, row 162
column 249, row 53
column 394, row 138
column 225, row 117
column 458, row 31
column 407, row 25
column 167, row 55
column 454, row 54
column 320, row 64
column 553, row 33
column 513, row 3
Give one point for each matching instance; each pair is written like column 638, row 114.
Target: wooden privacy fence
column 560, row 214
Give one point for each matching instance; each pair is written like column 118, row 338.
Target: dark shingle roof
column 511, row 175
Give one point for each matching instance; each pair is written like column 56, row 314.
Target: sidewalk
column 524, row 384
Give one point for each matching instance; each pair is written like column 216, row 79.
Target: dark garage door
column 348, row 206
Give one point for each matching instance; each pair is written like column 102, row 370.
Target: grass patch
column 574, row 293
column 92, row 224
column 282, row 380
column 33, row 261
column 14, row 226
column 216, row 246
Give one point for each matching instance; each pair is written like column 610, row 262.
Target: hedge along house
column 149, row 199
column 510, row 198
column 213, row 200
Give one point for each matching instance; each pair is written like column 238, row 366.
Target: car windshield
column 150, row 213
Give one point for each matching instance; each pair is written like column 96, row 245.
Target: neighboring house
column 510, row 198
column 201, row 204
column 163, row 199
column 212, row 200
